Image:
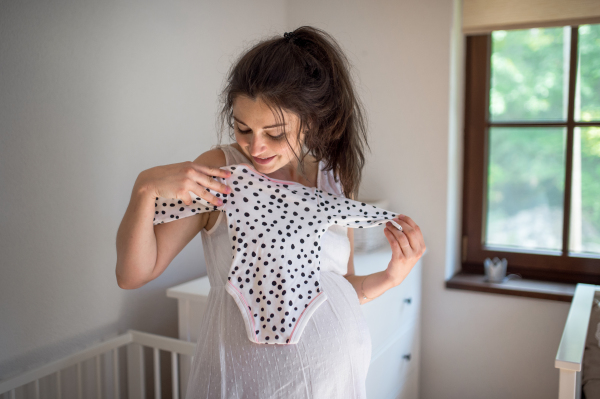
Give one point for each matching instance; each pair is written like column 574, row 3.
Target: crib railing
column 136, row 384
column 572, row 344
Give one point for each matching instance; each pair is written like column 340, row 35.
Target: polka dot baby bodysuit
column 275, row 228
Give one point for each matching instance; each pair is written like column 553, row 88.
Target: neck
column 292, row 172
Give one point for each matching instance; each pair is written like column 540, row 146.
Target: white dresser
column 393, row 319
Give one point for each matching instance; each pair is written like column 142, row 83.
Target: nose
column 257, row 146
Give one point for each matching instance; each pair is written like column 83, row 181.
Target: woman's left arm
column 407, row 248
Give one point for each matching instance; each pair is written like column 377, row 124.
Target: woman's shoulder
column 214, row 158
column 222, row 155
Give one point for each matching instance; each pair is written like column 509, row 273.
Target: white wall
column 91, row 94
column 409, row 59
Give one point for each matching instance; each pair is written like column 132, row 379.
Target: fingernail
column 401, row 216
column 220, row 202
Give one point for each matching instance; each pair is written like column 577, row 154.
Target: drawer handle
column 407, row 357
column 408, row 300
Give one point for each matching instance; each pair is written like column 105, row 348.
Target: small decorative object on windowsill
column 373, row 238
column 495, row 270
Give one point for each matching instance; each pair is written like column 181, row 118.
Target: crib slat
column 58, row 385
column 98, row 378
column 157, row 373
column 116, row 386
column 136, row 384
column 566, row 384
column 37, row 389
column 79, row 387
column 174, row 375
column 12, row 394
column 135, row 372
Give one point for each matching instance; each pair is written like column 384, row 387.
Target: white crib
column 569, row 358
column 107, row 383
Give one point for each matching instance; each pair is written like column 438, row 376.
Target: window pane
column 587, row 95
column 530, row 74
column 585, row 194
column 526, row 175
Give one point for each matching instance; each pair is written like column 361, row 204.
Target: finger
column 187, row 198
column 405, row 226
column 216, row 185
column 396, row 249
column 207, row 181
column 205, row 194
column 421, row 239
column 212, row 171
column 414, row 237
column 402, row 239
column 408, row 220
column 416, row 228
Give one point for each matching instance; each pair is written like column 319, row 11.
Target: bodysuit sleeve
column 350, row 213
column 169, row 209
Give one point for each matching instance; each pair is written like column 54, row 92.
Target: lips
column 263, row 161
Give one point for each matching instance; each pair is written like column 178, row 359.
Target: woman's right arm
column 143, row 250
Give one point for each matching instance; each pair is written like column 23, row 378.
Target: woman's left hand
column 407, row 247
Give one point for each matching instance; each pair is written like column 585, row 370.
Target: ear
column 310, row 124
column 306, row 130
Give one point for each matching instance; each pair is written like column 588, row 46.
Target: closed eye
column 273, row 137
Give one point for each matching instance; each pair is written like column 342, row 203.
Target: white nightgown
column 330, row 361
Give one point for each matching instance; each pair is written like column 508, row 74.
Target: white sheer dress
column 330, row 361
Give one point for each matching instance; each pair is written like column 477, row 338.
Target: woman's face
column 262, row 139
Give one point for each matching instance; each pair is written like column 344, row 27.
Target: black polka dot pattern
column 275, row 229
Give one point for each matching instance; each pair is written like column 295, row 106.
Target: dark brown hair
column 309, row 76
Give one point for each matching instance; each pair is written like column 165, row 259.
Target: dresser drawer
column 390, row 371
column 410, row 388
column 389, row 314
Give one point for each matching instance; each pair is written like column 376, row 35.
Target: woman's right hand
column 178, row 179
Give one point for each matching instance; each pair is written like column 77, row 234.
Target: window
column 532, row 153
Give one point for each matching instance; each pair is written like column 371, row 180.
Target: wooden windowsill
column 516, row 287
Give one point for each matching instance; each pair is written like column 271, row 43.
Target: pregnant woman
column 293, row 115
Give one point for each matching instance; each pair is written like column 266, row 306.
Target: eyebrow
column 266, row 127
